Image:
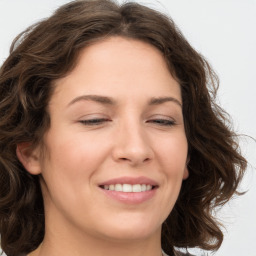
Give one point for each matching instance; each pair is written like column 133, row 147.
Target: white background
column 224, row 31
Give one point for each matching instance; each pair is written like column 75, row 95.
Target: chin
column 129, row 235
column 132, row 230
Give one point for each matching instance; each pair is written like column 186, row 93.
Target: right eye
column 94, row 121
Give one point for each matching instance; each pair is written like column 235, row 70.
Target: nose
column 132, row 145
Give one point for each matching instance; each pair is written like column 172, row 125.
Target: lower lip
column 130, row 197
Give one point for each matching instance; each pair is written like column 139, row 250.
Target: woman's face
column 115, row 119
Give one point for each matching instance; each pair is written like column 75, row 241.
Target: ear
column 186, row 172
column 30, row 158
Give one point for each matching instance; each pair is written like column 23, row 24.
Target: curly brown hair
column 49, row 50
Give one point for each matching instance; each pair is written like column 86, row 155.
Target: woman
column 111, row 142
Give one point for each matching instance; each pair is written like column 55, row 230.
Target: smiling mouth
column 128, row 188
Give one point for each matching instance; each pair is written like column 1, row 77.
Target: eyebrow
column 110, row 101
column 161, row 100
column 97, row 98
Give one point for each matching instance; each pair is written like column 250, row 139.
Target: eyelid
column 161, row 116
column 162, row 120
column 93, row 116
column 93, row 119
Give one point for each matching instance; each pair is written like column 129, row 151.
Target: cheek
column 73, row 158
column 173, row 154
column 172, row 157
column 67, row 171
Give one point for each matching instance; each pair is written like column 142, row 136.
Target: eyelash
column 99, row 121
column 163, row 122
column 96, row 121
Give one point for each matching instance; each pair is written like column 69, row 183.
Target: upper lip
column 130, row 180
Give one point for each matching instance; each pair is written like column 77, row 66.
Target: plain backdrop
column 224, row 32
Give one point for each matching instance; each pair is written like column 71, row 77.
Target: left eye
column 163, row 122
column 96, row 121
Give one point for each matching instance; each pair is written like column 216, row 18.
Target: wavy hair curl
column 49, row 50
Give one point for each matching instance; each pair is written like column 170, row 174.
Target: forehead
column 119, row 66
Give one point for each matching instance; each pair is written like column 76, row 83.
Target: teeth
column 118, row 187
column 143, row 187
column 136, row 188
column 128, row 187
column 149, row 187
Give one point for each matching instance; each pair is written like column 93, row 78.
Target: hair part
column 48, row 51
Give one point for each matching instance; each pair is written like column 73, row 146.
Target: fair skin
column 135, row 136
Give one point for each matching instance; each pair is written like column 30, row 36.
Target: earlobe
column 186, row 173
column 29, row 157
